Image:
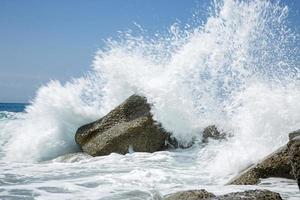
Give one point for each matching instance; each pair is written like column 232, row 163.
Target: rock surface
column 203, row 194
column 210, row 132
column 294, row 134
column 190, row 195
column 275, row 165
column 128, row 127
column 251, row 195
column 213, row 133
column 294, row 155
column 284, row 163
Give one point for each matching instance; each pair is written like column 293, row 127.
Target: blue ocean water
column 13, row 107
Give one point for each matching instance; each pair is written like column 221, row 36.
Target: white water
column 239, row 70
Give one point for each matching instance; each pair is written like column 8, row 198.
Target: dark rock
column 190, row 195
column 294, row 134
column 213, row 133
column 251, row 195
column 203, row 194
column 210, row 132
column 274, row 165
column 174, row 143
column 128, row 126
column 294, row 155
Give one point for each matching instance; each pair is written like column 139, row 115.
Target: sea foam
column 239, row 69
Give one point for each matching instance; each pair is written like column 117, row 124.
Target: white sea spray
column 239, row 70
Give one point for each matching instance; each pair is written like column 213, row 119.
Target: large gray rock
column 294, row 155
column 128, row 127
column 203, row 194
column 275, row 165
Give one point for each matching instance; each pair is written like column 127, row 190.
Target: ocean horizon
column 13, row 107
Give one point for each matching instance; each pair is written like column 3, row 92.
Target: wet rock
column 251, row 195
column 294, row 156
column 174, row 143
column 203, row 194
column 213, row 133
column 190, row 195
column 282, row 163
column 275, row 165
column 128, row 126
column 294, row 134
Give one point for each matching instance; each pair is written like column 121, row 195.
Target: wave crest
column 238, row 70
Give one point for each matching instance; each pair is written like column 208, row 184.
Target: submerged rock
column 213, row 133
column 275, row 165
column 203, row 194
column 128, row 126
column 72, row 157
column 294, row 156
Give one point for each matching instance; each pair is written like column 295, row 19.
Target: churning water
column 239, row 70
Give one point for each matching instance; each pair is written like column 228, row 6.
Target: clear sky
column 57, row 39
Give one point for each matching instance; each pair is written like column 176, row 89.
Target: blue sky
column 57, row 39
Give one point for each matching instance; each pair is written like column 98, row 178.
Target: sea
column 238, row 69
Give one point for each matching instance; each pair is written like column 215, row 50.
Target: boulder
column 294, row 156
column 129, row 127
column 190, row 195
column 203, row 194
column 283, row 163
column 213, row 133
column 251, row 195
column 275, row 165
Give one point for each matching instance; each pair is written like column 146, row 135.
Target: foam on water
column 5, row 115
column 239, row 70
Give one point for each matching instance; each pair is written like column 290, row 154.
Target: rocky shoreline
column 130, row 128
column 203, row 194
